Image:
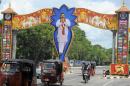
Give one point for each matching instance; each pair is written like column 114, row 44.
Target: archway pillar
column 6, row 48
column 14, row 43
column 114, row 32
column 122, row 67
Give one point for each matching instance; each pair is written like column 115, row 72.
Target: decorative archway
column 117, row 23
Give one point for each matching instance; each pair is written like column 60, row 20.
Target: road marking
column 108, row 83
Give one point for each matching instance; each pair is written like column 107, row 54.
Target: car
column 71, row 62
column 38, row 73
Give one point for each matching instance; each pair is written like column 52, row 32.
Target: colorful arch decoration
column 114, row 22
column 103, row 21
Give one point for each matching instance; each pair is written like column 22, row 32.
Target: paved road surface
column 75, row 79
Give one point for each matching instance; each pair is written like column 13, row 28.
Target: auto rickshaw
column 52, row 72
column 17, row 72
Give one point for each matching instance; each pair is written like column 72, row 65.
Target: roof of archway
column 123, row 9
column 9, row 10
column 98, row 20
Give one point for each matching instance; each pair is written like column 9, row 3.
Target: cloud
column 106, row 7
column 23, row 6
column 20, row 6
column 95, row 35
column 27, row 6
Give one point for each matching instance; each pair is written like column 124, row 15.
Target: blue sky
column 95, row 35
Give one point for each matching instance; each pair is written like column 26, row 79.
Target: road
column 75, row 79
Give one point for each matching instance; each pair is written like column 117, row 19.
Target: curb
column 115, row 77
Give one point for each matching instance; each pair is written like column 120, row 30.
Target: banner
column 103, row 21
column 122, row 39
column 119, row 69
column 63, row 20
column 6, row 41
column 33, row 19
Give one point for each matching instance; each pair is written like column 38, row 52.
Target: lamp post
column 114, row 32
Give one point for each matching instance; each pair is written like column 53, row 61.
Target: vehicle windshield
column 49, row 65
column 9, row 67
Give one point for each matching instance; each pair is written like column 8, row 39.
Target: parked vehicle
column 38, row 73
column 52, row 72
column 17, row 72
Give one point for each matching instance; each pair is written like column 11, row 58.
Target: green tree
column 80, row 47
column 35, row 43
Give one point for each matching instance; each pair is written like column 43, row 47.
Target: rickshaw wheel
column 46, row 83
column 4, row 84
column 61, row 83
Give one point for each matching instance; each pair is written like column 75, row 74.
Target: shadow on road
column 53, row 85
column 83, row 82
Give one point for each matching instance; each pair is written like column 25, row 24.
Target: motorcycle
column 86, row 76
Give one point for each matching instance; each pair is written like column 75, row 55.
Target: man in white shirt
column 62, row 35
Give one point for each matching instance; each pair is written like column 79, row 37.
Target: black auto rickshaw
column 17, row 72
column 52, row 72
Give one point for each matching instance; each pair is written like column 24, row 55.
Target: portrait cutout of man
column 62, row 35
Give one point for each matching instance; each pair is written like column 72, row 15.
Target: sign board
column 122, row 39
column 7, row 40
column 98, row 20
column 119, row 69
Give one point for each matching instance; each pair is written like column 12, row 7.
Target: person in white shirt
column 62, row 36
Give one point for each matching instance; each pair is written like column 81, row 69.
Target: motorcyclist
column 92, row 69
column 86, row 68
